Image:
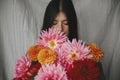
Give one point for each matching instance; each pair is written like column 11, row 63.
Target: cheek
column 54, row 26
column 66, row 30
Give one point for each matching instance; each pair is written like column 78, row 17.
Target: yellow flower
column 96, row 52
column 47, row 56
column 33, row 52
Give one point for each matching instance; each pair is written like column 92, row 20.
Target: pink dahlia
column 53, row 38
column 75, row 50
column 51, row 72
column 22, row 66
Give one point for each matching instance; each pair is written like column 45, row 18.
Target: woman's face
column 61, row 23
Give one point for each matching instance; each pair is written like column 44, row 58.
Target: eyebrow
column 62, row 21
column 65, row 20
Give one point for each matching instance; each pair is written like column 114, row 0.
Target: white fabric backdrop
column 21, row 20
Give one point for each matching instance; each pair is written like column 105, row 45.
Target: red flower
column 16, row 79
column 33, row 69
column 84, row 70
column 22, row 78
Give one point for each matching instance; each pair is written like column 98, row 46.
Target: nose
column 60, row 26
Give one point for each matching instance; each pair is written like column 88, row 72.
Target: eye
column 65, row 22
column 54, row 22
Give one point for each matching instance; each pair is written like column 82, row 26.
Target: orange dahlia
column 47, row 56
column 96, row 52
column 33, row 52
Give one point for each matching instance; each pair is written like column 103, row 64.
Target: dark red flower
column 16, row 79
column 84, row 70
column 22, row 78
column 35, row 66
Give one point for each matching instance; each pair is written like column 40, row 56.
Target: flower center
column 52, row 44
column 85, row 71
column 73, row 55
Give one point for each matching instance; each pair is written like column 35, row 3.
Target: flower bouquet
column 54, row 57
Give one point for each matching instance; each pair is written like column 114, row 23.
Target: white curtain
column 21, row 21
column 20, row 24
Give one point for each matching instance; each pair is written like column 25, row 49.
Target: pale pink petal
column 55, row 72
column 52, row 35
column 77, row 49
column 22, row 66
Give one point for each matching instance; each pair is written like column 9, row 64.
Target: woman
column 65, row 9
column 61, row 14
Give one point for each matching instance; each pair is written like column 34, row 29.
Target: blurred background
column 21, row 22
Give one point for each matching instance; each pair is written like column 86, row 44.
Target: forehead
column 61, row 15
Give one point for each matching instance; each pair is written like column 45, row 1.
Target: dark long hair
column 66, row 6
